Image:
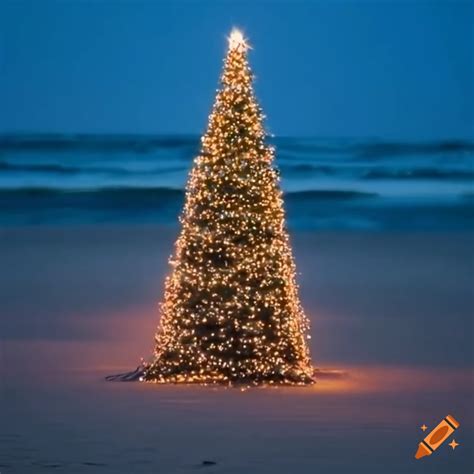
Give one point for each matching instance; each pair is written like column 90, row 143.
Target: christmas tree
column 231, row 312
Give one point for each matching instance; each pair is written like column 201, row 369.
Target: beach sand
column 393, row 310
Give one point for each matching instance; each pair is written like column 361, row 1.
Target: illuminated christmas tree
column 231, row 312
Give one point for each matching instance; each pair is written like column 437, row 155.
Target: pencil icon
column 437, row 437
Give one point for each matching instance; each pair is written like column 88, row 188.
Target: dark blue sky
column 388, row 69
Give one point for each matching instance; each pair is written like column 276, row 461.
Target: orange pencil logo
column 437, row 437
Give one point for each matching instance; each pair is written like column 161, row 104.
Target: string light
column 231, row 312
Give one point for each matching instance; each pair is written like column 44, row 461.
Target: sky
column 380, row 69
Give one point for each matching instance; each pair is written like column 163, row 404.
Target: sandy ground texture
column 392, row 310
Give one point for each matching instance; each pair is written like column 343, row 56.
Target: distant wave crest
column 166, row 192
column 419, row 173
column 144, row 143
column 136, row 143
column 57, row 168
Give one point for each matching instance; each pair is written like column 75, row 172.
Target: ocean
column 331, row 184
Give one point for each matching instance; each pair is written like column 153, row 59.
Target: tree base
column 143, row 374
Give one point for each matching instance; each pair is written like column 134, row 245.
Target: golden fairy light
column 231, row 312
